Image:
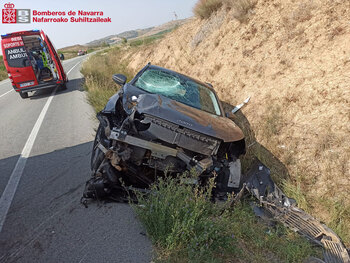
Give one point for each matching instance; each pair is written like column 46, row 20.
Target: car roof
column 21, row 33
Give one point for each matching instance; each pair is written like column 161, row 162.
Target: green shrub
column 180, row 217
column 186, row 226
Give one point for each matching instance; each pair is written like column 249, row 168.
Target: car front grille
column 182, row 137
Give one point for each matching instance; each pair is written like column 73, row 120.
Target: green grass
column 185, row 226
column 98, row 72
column 340, row 218
column 148, row 40
column 3, row 71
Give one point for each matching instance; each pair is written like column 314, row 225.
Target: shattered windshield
column 179, row 88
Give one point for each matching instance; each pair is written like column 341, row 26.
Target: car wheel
column 97, row 155
column 23, row 95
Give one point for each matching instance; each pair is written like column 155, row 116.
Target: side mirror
column 120, row 79
column 209, row 84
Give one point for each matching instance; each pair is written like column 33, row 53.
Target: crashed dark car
column 166, row 123
column 163, row 122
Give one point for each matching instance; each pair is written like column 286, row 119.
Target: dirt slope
column 73, row 48
column 138, row 33
column 293, row 58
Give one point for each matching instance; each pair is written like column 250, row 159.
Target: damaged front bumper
column 161, row 151
column 128, row 157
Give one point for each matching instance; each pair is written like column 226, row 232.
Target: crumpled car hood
column 189, row 117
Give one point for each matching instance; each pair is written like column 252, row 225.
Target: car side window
column 17, row 57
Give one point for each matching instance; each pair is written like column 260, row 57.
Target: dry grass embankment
column 205, row 8
column 98, row 72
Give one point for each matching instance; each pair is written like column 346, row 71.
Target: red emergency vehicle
column 32, row 62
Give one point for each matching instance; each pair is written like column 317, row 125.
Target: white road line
column 70, row 60
column 67, row 74
column 6, row 93
column 73, row 67
column 11, row 187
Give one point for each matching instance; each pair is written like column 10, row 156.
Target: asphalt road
column 45, row 147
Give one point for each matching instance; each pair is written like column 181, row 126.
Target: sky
column 125, row 15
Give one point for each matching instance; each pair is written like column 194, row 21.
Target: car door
column 54, row 56
column 18, row 63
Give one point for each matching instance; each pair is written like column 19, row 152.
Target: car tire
column 97, row 156
column 23, row 95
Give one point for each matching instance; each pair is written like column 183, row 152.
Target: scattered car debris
column 283, row 209
column 163, row 122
